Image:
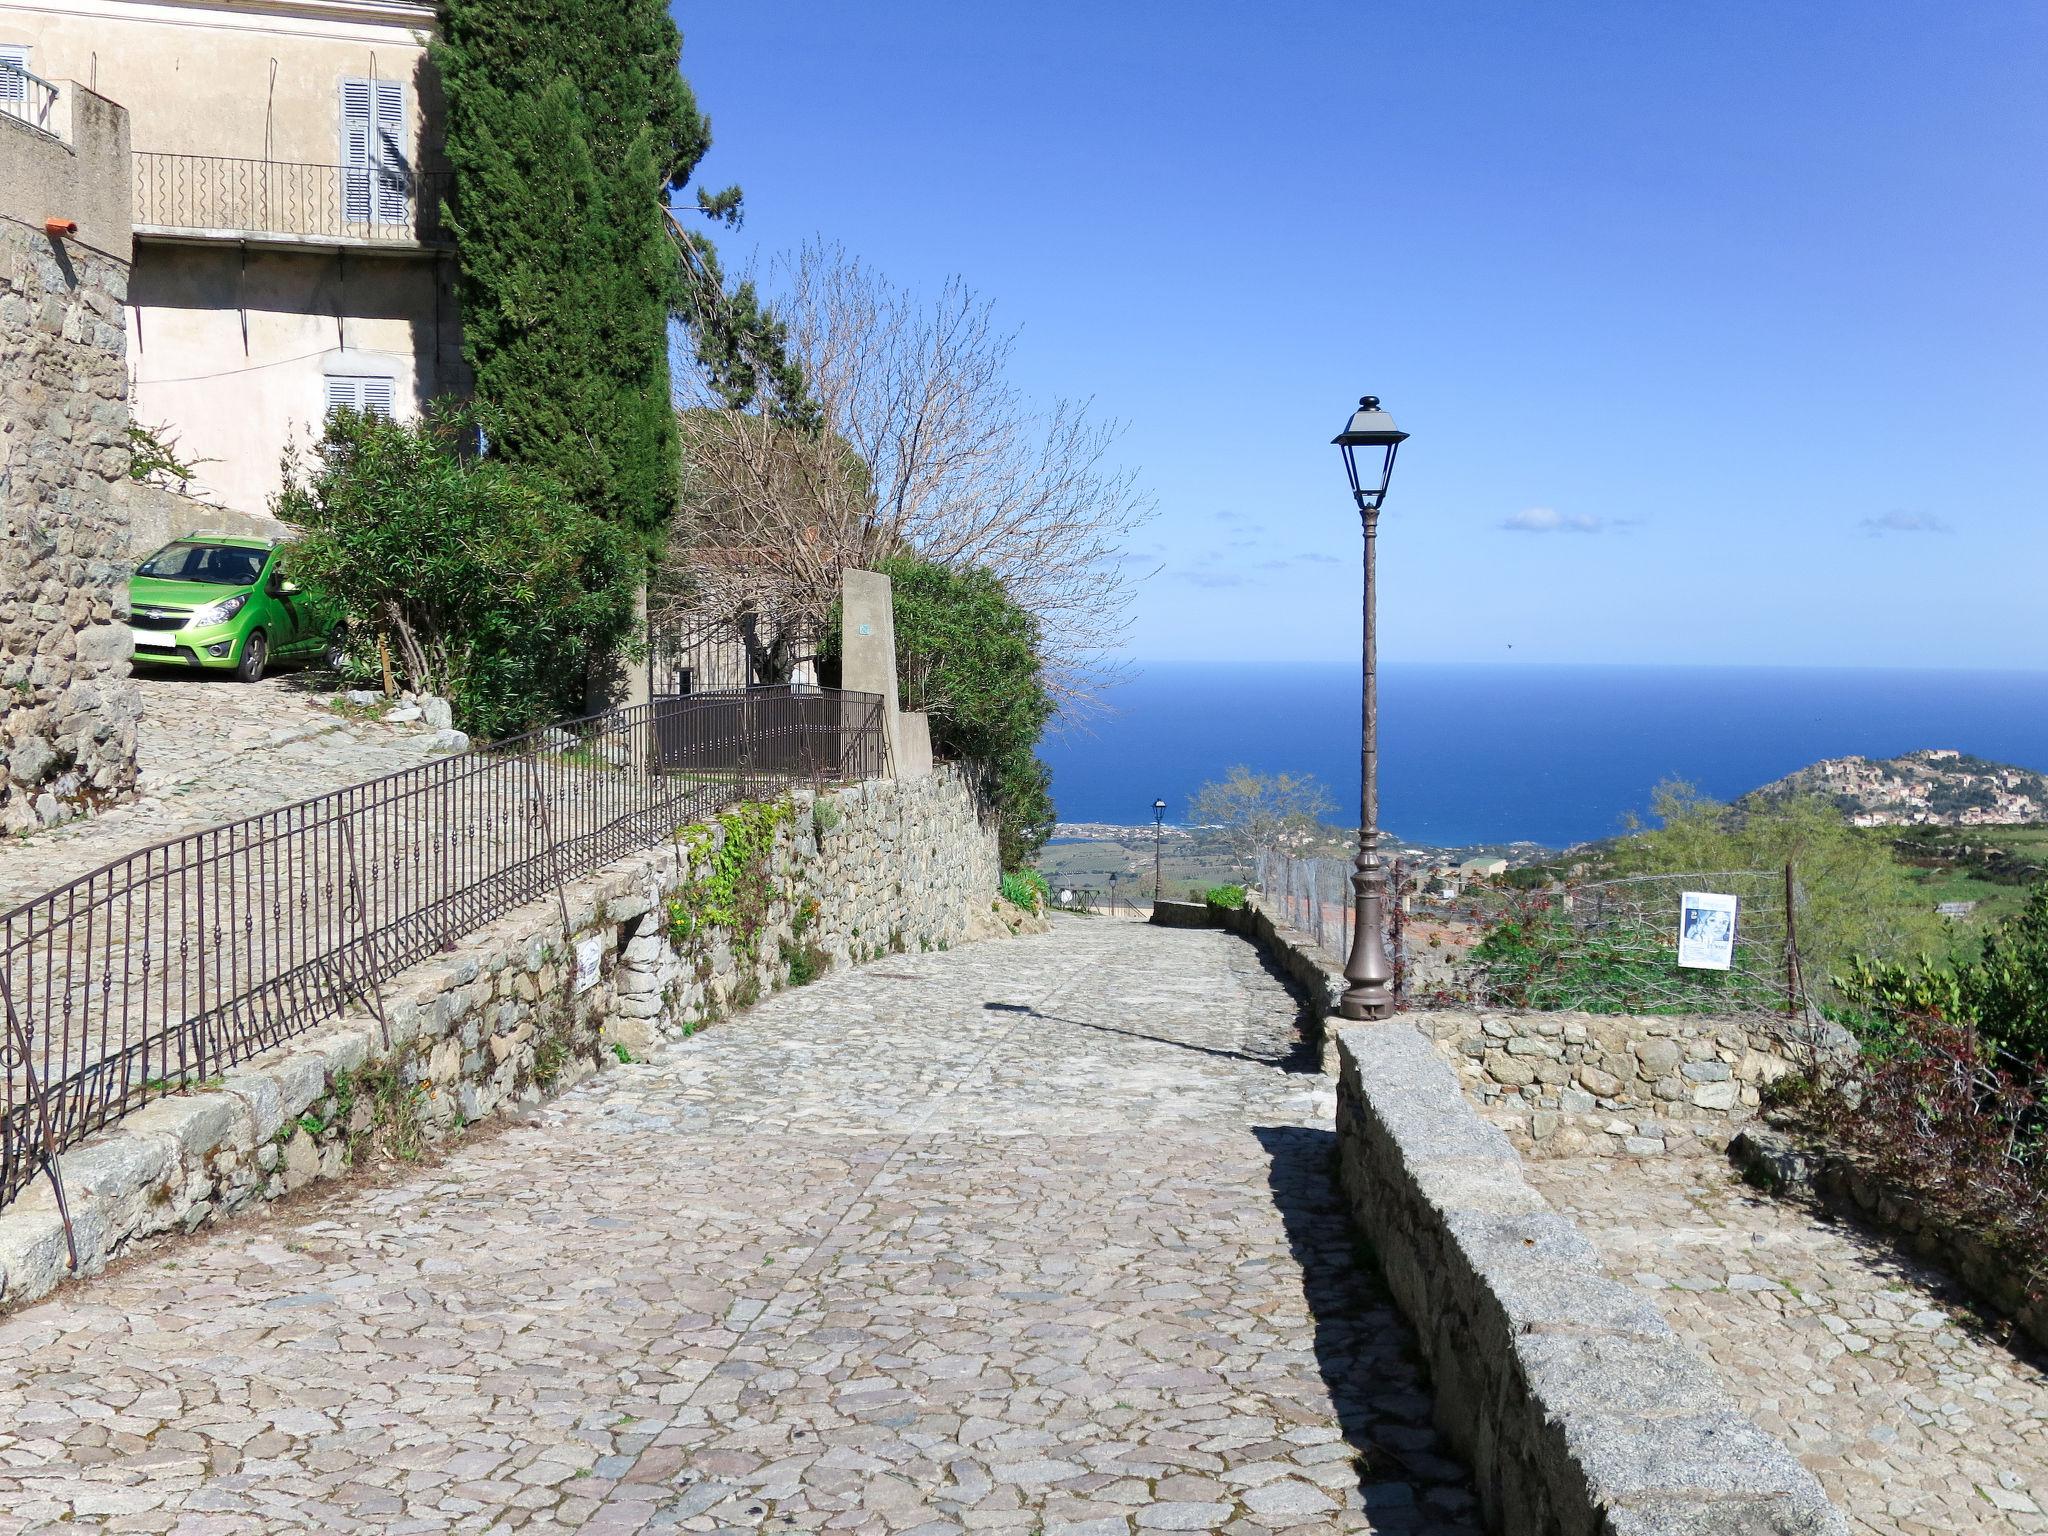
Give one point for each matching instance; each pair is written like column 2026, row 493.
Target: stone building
column 290, row 253
column 67, row 730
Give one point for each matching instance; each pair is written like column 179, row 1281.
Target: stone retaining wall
column 1841, row 1181
column 68, row 711
column 1571, row 1083
column 861, row 872
column 1580, row 1411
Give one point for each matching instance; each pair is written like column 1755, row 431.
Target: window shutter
column 356, row 98
column 377, row 397
column 12, row 86
column 388, row 152
column 341, row 395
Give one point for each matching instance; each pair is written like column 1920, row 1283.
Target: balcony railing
column 28, row 99
column 289, row 201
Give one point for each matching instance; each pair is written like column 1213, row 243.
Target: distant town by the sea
column 1474, row 755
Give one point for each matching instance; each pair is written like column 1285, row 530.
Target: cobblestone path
column 211, row 752
column 1870, row 1366
column 1035, row 1236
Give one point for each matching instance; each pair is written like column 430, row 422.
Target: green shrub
column 494, row 589
column 1025, row 888
column 967, row 654
column 2003, row 993
column 1230, row 896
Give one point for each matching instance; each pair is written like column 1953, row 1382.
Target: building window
column 371, row 396
column 376, row 180
column 12, row 86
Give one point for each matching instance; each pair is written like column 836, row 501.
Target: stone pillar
column 867, row 646
column 868, row 665
column 68, row 708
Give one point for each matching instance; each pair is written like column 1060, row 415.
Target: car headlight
column 217, row 613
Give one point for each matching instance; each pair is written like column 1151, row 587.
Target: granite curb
column 1579, row 1408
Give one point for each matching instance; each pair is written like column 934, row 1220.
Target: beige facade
column 289, row 249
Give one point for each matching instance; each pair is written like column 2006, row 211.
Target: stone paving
column 1871, row 1367
column 214, row 751
column 1035, row 1236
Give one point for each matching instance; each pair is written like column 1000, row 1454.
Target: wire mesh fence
column 1610, row 946
column 167, row 966
column 1633, row 945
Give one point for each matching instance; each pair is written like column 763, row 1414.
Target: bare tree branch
column 927, row 447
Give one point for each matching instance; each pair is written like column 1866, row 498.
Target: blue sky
column 1720, row 330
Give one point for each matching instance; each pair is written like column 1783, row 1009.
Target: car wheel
column 255, row 656
column 337, row 650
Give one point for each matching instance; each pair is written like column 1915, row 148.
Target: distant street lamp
column 1369, row 441
column 1158, row 835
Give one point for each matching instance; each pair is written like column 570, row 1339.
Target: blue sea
column 1551, row 754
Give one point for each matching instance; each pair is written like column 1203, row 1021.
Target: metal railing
column 27, row 99
column 217, row 194
column 1100, row 900
column 165, row 967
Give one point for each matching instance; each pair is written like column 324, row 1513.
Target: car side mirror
column 288, row 589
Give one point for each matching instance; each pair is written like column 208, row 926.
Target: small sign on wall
column 589, row 962
column 1706, row 930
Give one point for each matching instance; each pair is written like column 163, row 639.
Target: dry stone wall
column 68, row 730
column 1566, row 1084
column 1580, row 1411
column 527, row 1006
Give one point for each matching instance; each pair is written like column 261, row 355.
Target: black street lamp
column 1369, row 441
column 1158, row 833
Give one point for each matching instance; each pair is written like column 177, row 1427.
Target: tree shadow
column 1365, row 1351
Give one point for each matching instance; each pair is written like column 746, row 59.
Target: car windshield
column 217, row 565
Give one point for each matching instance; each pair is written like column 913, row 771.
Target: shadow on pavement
column 1365, row 1351
column 1285, row 1063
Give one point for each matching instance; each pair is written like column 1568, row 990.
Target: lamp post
column 1369, row 441
column 1158, row 834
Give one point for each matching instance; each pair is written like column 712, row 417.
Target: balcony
column 207, row 198
column 31, row 102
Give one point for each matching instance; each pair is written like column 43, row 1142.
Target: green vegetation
column 493, row 587
column 567, row 125
column 968, row 654
column 1230, row 897
column 735, row 896
column 153, row 453
column 2002, row 993
column 1856, row 898
column 1533, row 956
column 804, row 963
column 1026, row 888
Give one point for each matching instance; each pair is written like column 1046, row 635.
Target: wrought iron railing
column 27, row 99
column 163, row 968
column 218, row 194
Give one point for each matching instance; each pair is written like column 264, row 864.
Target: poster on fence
column 1706, row 930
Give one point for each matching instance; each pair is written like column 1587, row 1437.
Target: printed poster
column 1706, row 930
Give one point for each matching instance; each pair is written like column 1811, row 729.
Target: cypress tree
column 568, row 121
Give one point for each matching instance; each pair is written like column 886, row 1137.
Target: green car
column 222, row 604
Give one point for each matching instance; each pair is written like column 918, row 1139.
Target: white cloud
column 1550, row 520
column 1903, row 522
